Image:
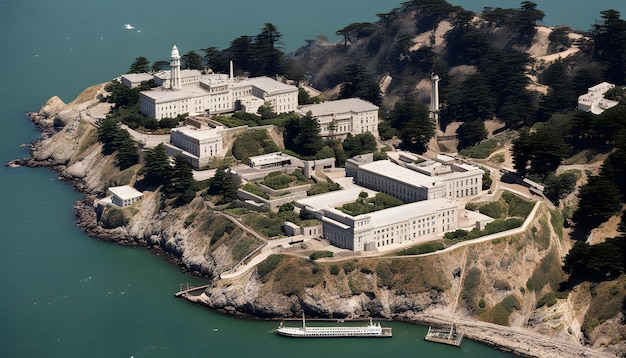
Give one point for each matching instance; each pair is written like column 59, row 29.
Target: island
column 447, row 179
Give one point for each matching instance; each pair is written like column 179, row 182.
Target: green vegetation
column 114, row 139
column 470, row 290
column 410, row 117
column 481, row 150
column 363, row 206
column 279, row 180
column 320, row 254
column 254, row 189
column 500, row 313
column 114, row 217
column 548, row 272
column 244, row 246
column 550, row 298
column 253, row 143
column 421, row 249
column 322, row 187
column 267, row 266
column 600, row 262
column 607, row 300
column 498, row 225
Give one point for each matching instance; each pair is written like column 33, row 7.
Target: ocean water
column 63, row 294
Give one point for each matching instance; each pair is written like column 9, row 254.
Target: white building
column 199, row 146
column 593, row 101
column 190, row 91
column 132, row 80
column 417, row 182
column 397, row 225
column 125, row 195
column 338, row 118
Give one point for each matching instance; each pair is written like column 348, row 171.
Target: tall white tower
column 175, row 69
column 434, row 98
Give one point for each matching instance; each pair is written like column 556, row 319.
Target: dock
column 445, row 336
column 187, row 289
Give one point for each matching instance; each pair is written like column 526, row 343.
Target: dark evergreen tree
column 160, row 66
column 181, row 177
column 471, row 133
column 216, row 60
column 224, row 183
column 157, row 165
column 598, row 200
column 302, row 135
column 609, row 37
column 357, row 83
column 192, row 61
column 141, row 65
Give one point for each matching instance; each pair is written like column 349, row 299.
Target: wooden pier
column 188, row 289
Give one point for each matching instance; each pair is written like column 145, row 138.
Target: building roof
column 398, row 173
column 137, row 77
column 198, row 133
column 269, row 158
column 408, row 211
column 125, row 192
column 166, row 74
column 333, row 198
column 269, row 85
column 160, row 94
column 355, row 105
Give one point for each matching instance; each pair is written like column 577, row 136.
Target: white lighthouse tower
column 434, row 98
column 175, row 69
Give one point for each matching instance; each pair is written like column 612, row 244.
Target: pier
column 188, row 289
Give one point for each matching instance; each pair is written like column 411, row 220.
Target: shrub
column 422, row 249
column 254, row 189
column 494, row 209
column 319, row 254
column 112, row 218
column 268, row 265
column 348, row 266
column 334, row 270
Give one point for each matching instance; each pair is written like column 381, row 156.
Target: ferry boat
column 369, row 330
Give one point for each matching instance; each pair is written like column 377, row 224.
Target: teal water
column 63, row 294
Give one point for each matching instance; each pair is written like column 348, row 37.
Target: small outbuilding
column 125, row 195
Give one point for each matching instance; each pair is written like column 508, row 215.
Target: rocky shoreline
column 517, row 341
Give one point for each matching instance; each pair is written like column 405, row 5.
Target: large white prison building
column 417, row 182
column 190, row 91
column 378, row 229
column 338, row 118
column 197, row 145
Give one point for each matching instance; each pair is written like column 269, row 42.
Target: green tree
column 609, row 38
column 598, row 200
column 157, row 165
column 181, row 177
column 127, row 154
column 141, row 65
column 224, row 183
column 268, row 58
column 216, row 60
column 160, row 65
column 359, row 144
column 192, row 60
column 410, row 117
column 471, row 133
column 302, row 135
column 357, row 83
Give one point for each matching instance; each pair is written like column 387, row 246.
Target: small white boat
column 128, row 27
